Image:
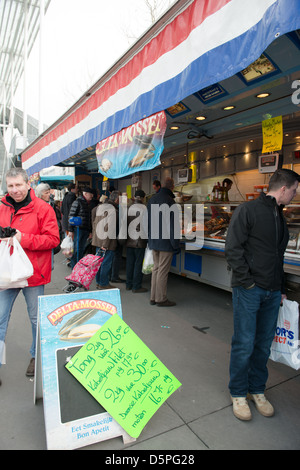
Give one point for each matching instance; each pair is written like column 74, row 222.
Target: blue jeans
column 82, row 240
column 103, row 275
column 134, row 264
column 7, row 299
column 255, row 313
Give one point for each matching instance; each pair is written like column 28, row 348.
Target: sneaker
column 138, row 291
column 166, row 303
column 263, row 406
column 241, row 408
column 30, row 368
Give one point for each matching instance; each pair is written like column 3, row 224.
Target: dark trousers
column 255, row 313
column 134, row 263
column 83, row 236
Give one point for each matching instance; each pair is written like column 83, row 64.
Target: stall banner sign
column 34, row 180
column 123, row 374
column 135, row 148
column 66, row 322
column 272, row 134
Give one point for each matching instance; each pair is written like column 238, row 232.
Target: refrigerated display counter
column 204, row 259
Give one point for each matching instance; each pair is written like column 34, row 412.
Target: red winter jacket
column 38, row 225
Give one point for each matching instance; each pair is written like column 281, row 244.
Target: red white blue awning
column 207, row 42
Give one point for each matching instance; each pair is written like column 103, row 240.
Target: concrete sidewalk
column 195, row 346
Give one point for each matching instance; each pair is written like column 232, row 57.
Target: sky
column 82, row 39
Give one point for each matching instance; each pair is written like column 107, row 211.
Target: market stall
column 213, row 87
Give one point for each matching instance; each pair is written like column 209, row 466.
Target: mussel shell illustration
column 144, row 154
column 142, row 141
column 74, row 327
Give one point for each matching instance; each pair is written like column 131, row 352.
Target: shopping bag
column 5, row 264
column 15, row 266
column 148, row 261
column 21, row 266
column 67, row 246
column 285, row 345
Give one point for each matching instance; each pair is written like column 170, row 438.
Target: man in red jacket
column 37, row 231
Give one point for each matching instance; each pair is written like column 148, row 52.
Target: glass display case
column 203, row 259
column 217, row 217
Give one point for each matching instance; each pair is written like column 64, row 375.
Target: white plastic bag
column 21, row 265
column 15, row 267
column 285, row 346
column 5, row 263
column 148, row 261
column 67, row 246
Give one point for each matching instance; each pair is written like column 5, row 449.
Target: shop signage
column 135, row 148
column 73, row 418
column 272, row 134
column 211, row 93
column 123, row 375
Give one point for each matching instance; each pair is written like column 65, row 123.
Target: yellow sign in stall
column 272, row 131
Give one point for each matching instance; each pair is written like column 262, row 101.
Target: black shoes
column 30, row 368
column 166, row 303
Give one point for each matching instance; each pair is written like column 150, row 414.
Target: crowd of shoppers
column 255, row 245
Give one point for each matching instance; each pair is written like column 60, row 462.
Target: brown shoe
column 166, row 303
column 30, row 368
column 241, row 408
column 140, row 290
column 263, row 406
column 109, row 286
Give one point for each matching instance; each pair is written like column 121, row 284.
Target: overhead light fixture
column 174, row 127
column 228, row 108
column 262, row 95
column 200, row 118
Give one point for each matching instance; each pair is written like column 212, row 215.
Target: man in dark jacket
column 81, row 207
column 136, row 244
column 164, row 240
column 67, row 202
column 255, row 245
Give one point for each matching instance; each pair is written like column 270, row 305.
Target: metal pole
column 25, row 51
column 12, row 85
column 41, row 66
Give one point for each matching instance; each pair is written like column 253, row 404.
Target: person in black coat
column 163, row 240
column 67, row 202
column 255, row 245
column 81, row 207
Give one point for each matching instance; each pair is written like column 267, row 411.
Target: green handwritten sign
column 272, row 134
column 123, row 375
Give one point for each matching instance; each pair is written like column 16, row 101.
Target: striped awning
column 206, row 41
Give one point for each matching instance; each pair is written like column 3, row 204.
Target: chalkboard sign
column 123, row 374
column 73, row 418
